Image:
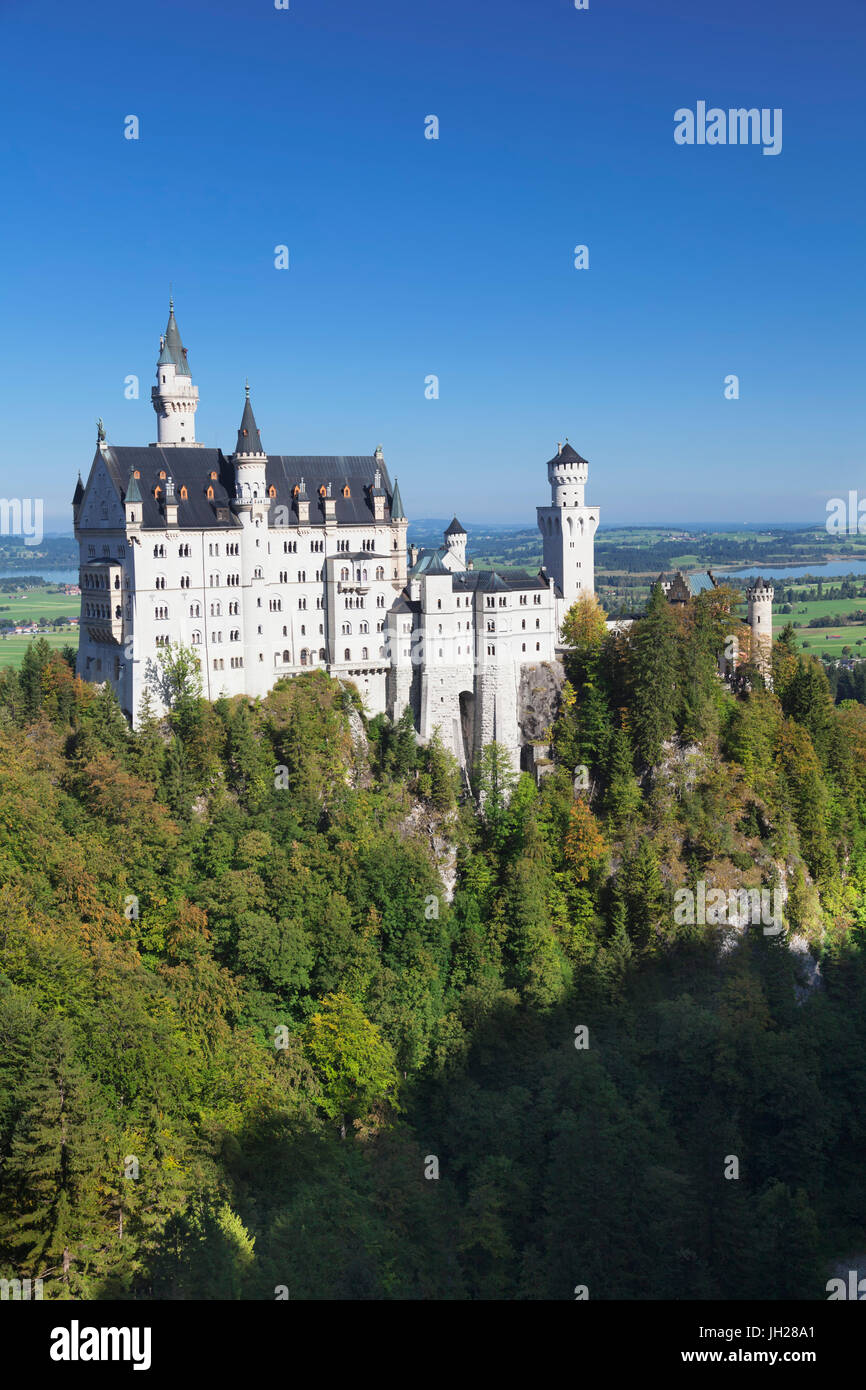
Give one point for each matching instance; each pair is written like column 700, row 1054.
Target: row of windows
column 106, row 551
column 100, row 581
column 235, row 662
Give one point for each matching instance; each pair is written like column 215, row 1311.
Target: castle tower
column 760, row 600
column 400, row 526
column 568, row 528
column 455, row 546
column 174, row 397
column 251, row 462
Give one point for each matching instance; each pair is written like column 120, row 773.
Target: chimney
column 170, row 503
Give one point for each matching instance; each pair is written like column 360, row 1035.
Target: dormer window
column 210, row 492
column 213, row 476
column 272, row 491
column 346, row 492
column 183, row 493
column 323, row 491
column 162, row 473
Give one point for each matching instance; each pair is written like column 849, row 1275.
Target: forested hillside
column 283, row 1012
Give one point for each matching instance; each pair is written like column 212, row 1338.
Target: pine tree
column 54, row 1222
column 653, row 674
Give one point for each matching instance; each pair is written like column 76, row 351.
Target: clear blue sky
column 454, row 257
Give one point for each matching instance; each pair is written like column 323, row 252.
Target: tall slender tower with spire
column 174, row 397
column 568, row 528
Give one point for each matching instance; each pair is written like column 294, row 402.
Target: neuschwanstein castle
column 269, row 564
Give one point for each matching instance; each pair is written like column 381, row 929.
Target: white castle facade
column 267, row 565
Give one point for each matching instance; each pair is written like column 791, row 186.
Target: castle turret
column 251, row 461
column 759, row 595
column 400, row 526
column 455, row 546
column 568, row 528
column 174, row 397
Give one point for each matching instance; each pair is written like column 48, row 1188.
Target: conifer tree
column 653, row 673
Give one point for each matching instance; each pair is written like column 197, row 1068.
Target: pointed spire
column 249, row 441
column 133, row 491
column 397, row 512
column 173, row 350
column 79, row 492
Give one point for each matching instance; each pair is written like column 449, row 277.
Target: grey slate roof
column 173, row 344
column 188, row 467
column 285, row 471
column 397, row 512
column 133, row 492
column 249, row 440
column 567, row 455
column 192, row 467
column 78, row 493
column 471, row 580
column 455, row 529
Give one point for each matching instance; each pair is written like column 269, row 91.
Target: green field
column 28, row 606
column 12, row 649
column 825, row 640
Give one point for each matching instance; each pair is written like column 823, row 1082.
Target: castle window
column 523, row 647
column 347, row 655
column 346, row 492
column 344, row 574
column 523, row 624
column 195, row 610
column 213, row 476
column 302, row 576
column 364, row 627
column 304, row 655
column 183, row 493
column 210, row 492
column 323, row 491
column 380, row 573
column 538, row 646
column 491, row 651
column 439, row 605
column 347, row 629
column 538, row 622
column 162, row 473
column 303, row 629
column 365, row 655
column 196, row 639
column 272, row 491
column 287, row 657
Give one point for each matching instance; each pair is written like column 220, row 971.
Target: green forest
column 286, row 1010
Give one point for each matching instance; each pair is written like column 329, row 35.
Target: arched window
column 321, row 653
column 380, row 572
column 344, row 574
column 196, row 639
column 272, row 491
column 323, row 491
column 304, row 656
column 287, row 657
column 364, row 654
column 346, row 492
column 183, row 493
column 347, row 655
column 210, row 492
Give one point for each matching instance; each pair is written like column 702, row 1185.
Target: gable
column 101, row 508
